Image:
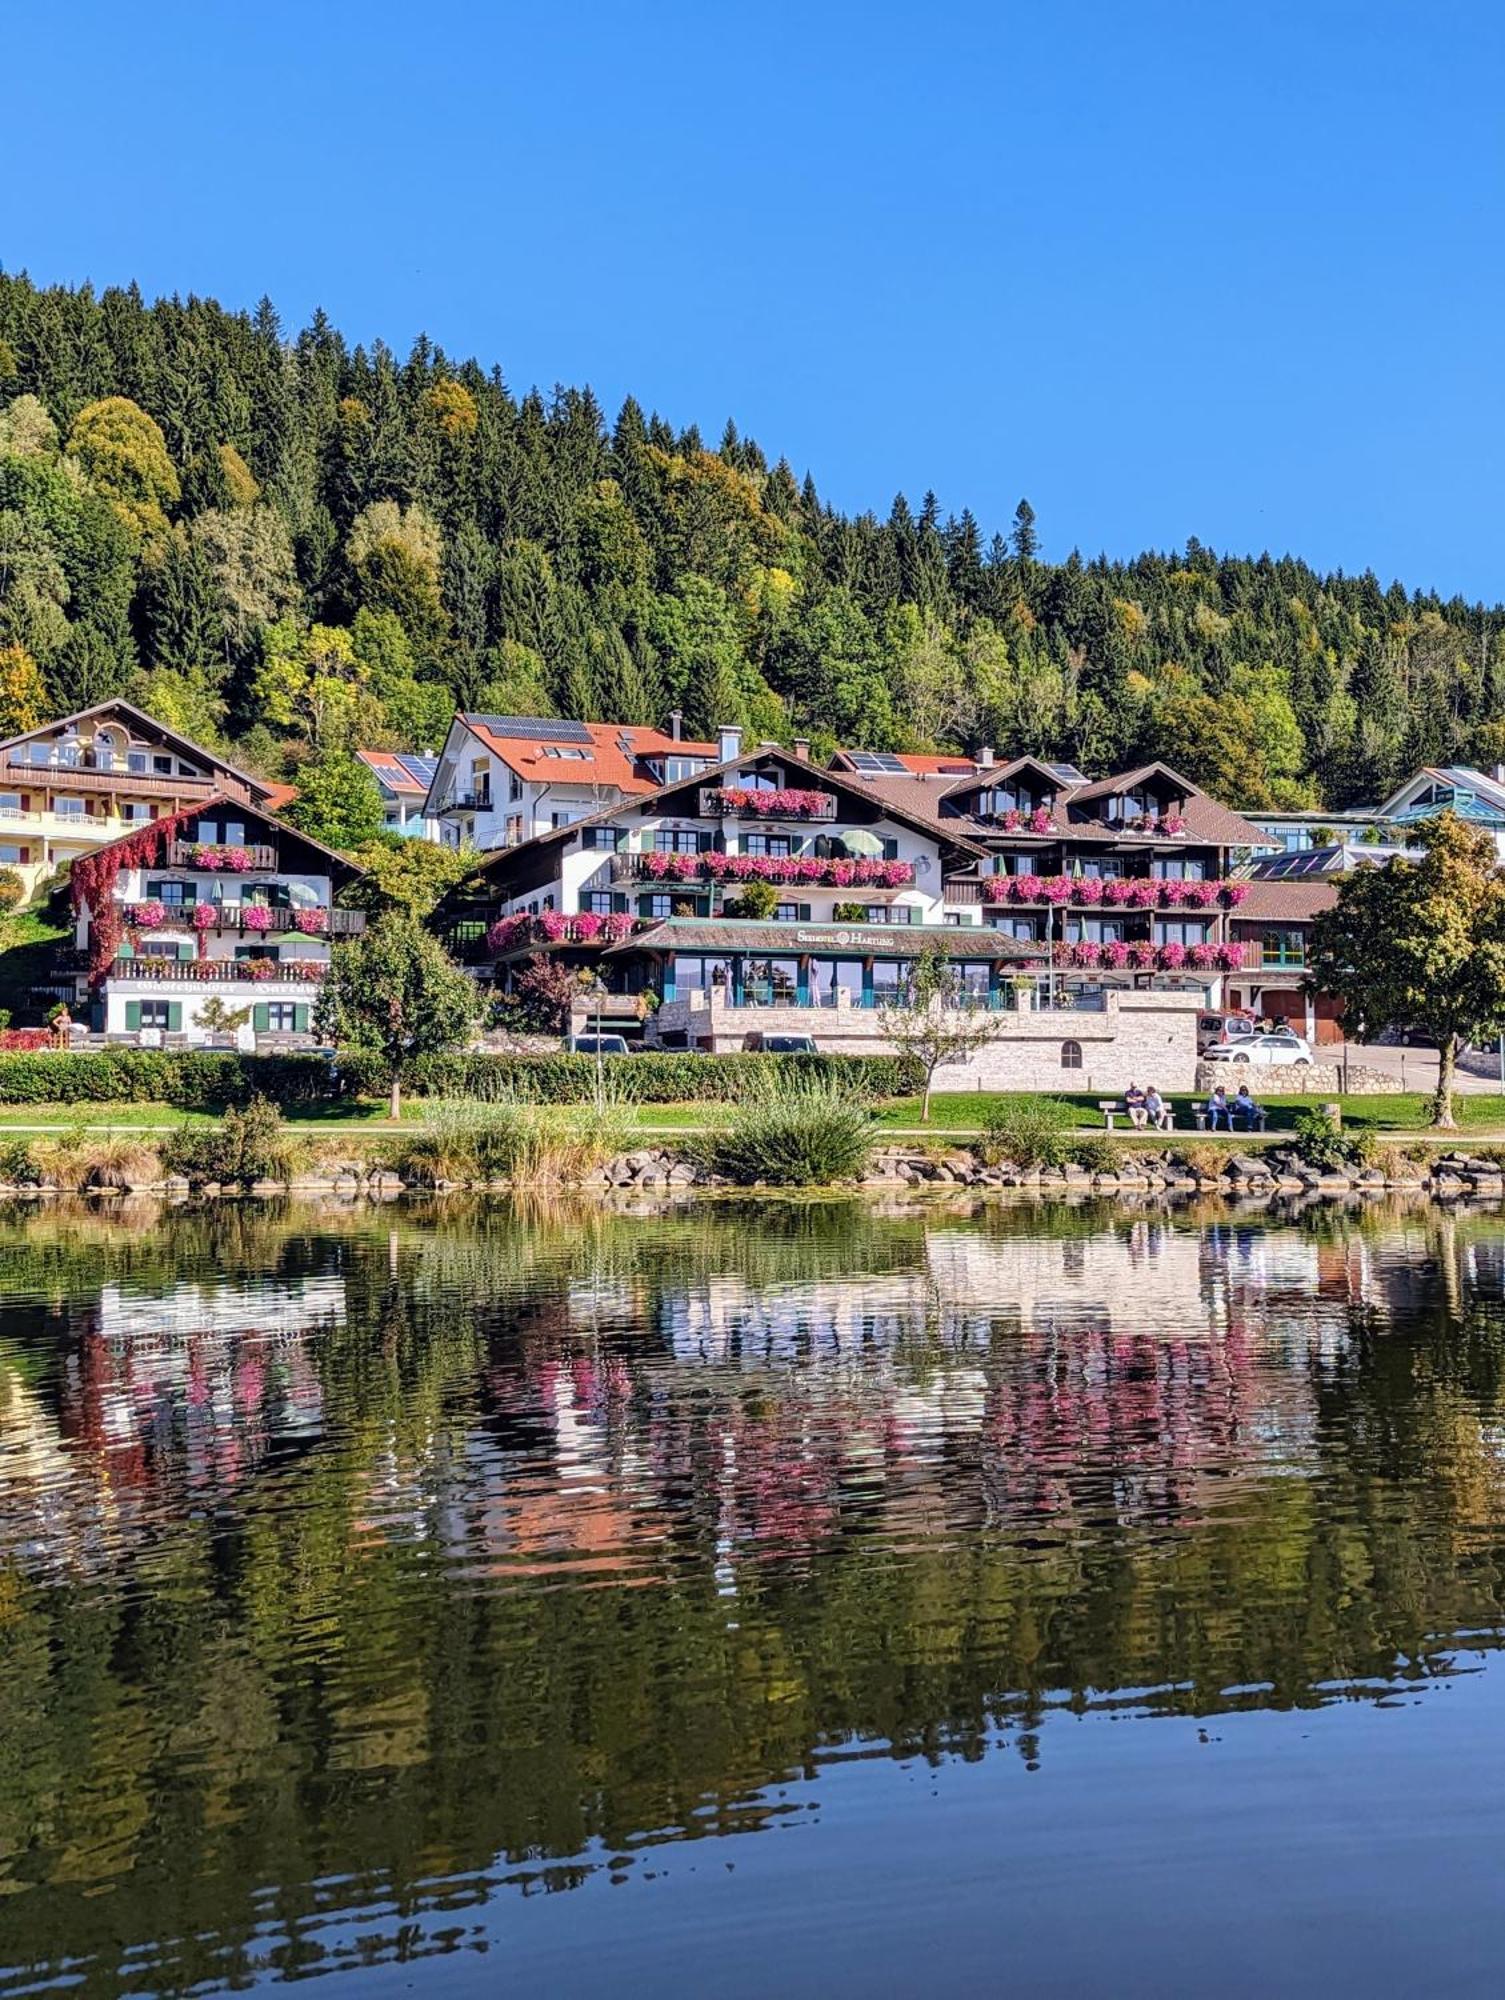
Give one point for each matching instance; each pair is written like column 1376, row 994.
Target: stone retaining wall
column 1297, row 1080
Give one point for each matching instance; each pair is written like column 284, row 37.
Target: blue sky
column 1223, row 270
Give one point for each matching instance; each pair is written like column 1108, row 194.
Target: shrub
column 193, row 1080
column 523, row 1143
column 1026, row 1132
column 1319, row 1145
column 1205, row 1161
column 12, row 889
column 84, row 1164
column 798, row 1135
column 1095, row 1153
column 19, row 1166
column 247, row 1145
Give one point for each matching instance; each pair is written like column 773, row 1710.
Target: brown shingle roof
column 1285, row 902
column 898, row 940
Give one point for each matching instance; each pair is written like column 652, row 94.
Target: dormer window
column 567, row 750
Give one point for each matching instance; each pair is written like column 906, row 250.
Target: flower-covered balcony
column 1082, row 892
column 251, row 919
column 748, row 802
column 221, row 858
column 785, row 871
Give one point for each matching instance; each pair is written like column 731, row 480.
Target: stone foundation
column 1297, row 1080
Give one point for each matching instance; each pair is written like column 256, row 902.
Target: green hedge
column 206, row 1080
column 210, row 1080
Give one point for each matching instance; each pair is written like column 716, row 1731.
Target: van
column 596, row 1045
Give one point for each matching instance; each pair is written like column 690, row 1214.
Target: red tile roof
column 615, row 748
column 394, row 774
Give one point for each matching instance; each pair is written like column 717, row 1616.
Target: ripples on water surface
column 798, row 1599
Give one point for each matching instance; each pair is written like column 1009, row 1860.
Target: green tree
column 1421, row 945
column 124, row 456
column 338, row 802
column 406, row 875
column 396, row 993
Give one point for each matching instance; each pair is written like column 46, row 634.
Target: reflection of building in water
column 163, row 1399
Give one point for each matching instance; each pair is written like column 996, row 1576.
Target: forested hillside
column 297, row 545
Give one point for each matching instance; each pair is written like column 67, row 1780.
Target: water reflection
column 361, row 1570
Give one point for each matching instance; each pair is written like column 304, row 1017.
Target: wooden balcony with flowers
column 524, row 932
column 252, row 919
column 1083, row 892
column 1142, row 956
column 793, row 871
column 221, row 857
column 747, row 802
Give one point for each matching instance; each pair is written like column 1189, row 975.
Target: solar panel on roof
column 533, row 729
column 877, row 760
column 1067, row 773
column 420, row 769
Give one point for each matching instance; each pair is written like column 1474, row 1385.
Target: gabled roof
column 127, row 711
column 1488, row 791
column 1125, row 781
column 401, row 770
column 598, row 753
column 218, row 800
column 952, row 832
column 1285, row 902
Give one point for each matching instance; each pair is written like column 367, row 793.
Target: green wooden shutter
column 300, row 1020
column 125, row 949
column 890, row 850
column 132, row 1016
column 803, row 911
column 619, row 904
column 174, row 1017
column 261, row 1017
column 186, row 950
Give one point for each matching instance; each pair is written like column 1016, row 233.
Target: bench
column 1256, row 1122
column 1114, row 1108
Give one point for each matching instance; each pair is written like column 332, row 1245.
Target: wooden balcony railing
column 736, row 802
column 259, row 860
column 89, row 778
column 220, row 971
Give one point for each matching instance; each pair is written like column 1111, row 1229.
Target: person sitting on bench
column 1157, row 1111
column 1134, row 1104
column 1218, row 1110
column 1243, row 1106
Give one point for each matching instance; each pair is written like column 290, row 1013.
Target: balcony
column 220, row 971
column 467, row 802
column 739, row 802
column 959, row 890
column 252, row 919
column 187, row 853
column 89, row 775
column 793, row 871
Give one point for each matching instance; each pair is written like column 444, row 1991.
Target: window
column 135, row 812
column 973, row 982
column 1283, row 947
column 777, row 845
column 567, row 750
column 559, row 819
column 162, row 765
column 701, row 975
column 1179, row 871
column 514, row 786
column 10, row 802
column 158, row 948
column 207, row 833
column 10, row 853
column 1103, row 867
column 154, row 1013
column 832, row 976
column 1172, row 930
column 770, row 982
column 608, row 838
column 68, row 808
column 40, row 753
column 791, row 913
column 681, row 767
column 169, row 892
column 656, row 906
column 235, row 833
column 135, row 760
column 1094, row 930
column 1071, row 1055
column 676, row 840
column 890, row 977
column 282, row 1017
column 1023, row 928
column 890, row 913
column 597, row 902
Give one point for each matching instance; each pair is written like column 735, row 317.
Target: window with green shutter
column 132, row 1016
column 174, row 1017
column 261, row 1017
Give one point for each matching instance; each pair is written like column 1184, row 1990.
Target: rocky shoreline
column 658, row 1170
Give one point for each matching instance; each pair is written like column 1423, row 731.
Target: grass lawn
column 951, row 1116
column 27, row 942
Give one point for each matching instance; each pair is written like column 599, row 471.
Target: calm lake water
column 797, row 1599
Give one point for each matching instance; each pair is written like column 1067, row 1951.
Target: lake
column 746, row 1598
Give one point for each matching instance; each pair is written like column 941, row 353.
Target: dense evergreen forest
column 294, row 546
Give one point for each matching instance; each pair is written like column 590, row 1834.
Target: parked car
column 1280, row 1046
column 1214, row 1027
column 780, row 1045
column 597, row 1045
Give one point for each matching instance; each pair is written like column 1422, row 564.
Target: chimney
column 728, row 742
column 676, row 725
column 802, row 748
column 1500, row 774
column 984, row 758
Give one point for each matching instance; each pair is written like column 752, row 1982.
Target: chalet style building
column 217, row 902
column 503, row 779
column 70, row 787
column 1129, row 879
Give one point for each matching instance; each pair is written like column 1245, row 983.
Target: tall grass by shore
column 792, row 1135
column 525, row 1143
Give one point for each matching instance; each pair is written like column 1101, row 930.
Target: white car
column 1280, row 1046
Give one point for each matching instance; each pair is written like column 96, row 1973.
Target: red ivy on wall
column 93, row 877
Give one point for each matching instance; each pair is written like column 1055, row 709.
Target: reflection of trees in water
column 538, row 1584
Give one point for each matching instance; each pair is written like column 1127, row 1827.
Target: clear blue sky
column 1231, row 270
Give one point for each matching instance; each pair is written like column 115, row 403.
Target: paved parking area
column 1416, row 1068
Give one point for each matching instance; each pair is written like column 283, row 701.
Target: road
column 1416, row 1068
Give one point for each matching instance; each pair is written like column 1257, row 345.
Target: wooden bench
column 1114, row 1108
column 1256, row 1123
